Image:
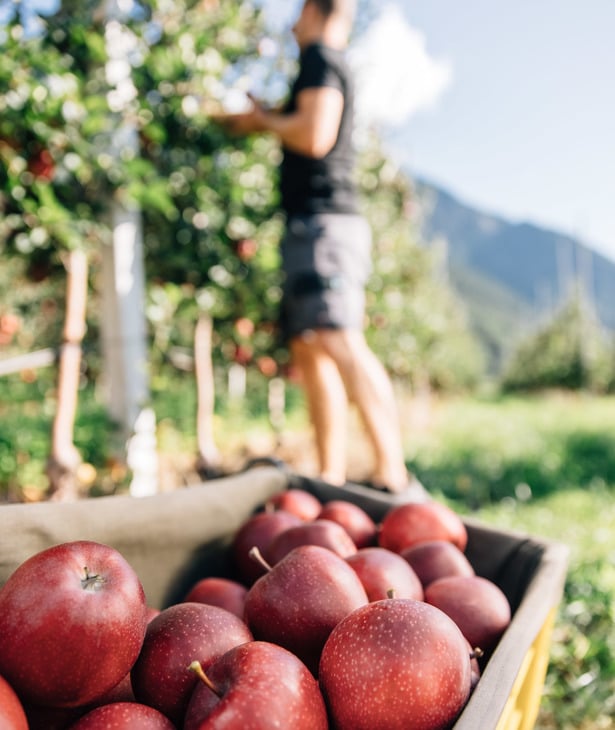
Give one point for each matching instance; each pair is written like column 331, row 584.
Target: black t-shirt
column 321, row 185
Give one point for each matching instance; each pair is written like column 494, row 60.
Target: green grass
column 579, row 689
column 481, row 451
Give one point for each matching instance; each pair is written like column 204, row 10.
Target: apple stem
column 91, row 582
column 198, row 670
column 391, row 593
column 257, row 556
column 476, row 653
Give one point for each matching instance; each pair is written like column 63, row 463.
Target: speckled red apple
column 414, row 522
column 179, row 635
column 258, row 684
column 381, row 571
column 397, row 664
column 301, row 599
column 357, row 523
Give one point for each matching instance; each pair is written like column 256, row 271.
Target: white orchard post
column 123, row 324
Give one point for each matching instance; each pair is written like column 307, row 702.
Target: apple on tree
column 72, row 623
column 395, row 663
column 256, row 686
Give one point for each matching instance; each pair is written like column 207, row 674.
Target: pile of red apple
column 330, row 620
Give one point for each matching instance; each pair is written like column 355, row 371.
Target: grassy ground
column 543, row 465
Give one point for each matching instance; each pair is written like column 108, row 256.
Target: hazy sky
column 526, row 125
column 508, row 105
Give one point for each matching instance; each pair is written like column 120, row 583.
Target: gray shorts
column 326, row 260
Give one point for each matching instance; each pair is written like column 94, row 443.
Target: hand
column 243, row 123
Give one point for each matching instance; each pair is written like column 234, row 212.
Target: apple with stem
column 299, row 601
column 256, row 686
column 72, row 623
column 177, row 636
column 382, row 571
column 258, row 531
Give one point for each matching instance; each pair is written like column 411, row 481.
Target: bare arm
column 310, row 130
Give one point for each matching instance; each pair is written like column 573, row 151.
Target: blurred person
column 326, row 251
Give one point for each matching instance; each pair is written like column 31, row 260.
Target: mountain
column 511, row 276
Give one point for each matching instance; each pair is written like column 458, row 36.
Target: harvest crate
column 173, row 539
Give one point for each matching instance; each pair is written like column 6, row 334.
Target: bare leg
column 369, row 387
column 327, row 405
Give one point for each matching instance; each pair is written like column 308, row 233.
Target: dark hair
column 329, row 7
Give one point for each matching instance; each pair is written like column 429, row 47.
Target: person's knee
column 342, row 345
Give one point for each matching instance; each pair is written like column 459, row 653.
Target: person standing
column 326, row 251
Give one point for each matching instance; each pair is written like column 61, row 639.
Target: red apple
column 301, row 599
column 357, row 523
column 246, row 248
column 42, row 165
column 72, row 623
column 436, row 559
column 267, row 365
column 243, row 354
column 296, row 501
column 415, row 522
column 325, row 533
column 222, row 592
column 395, row 663
column 477, row 605
column 123, row 716
column 257, row 685
column 258, row 531
column 179, row 635
column 381, row 571
column 12, row 715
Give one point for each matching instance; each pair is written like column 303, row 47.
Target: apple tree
column 206, row 203
column 570, row 351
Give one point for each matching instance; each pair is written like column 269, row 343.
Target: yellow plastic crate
column 173, row 539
